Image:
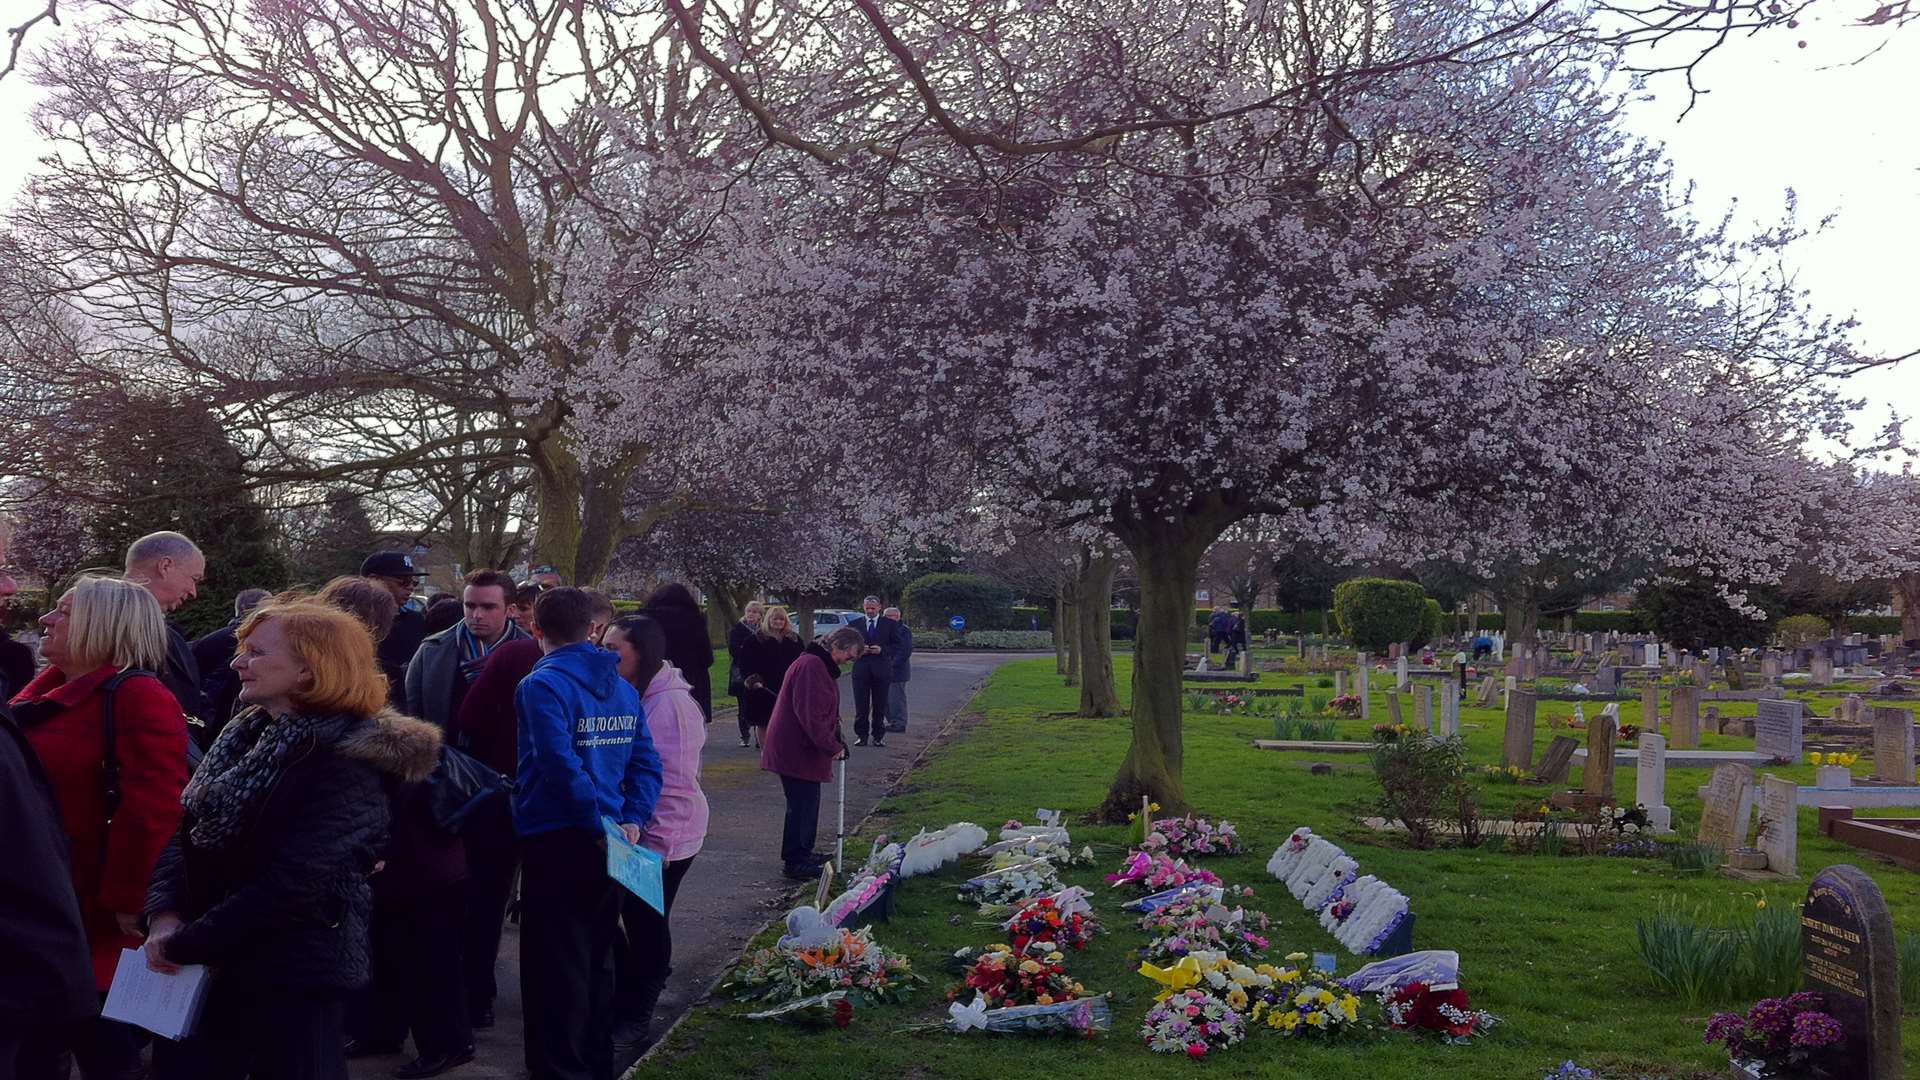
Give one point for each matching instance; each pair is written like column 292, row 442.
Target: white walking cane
column 840, row 830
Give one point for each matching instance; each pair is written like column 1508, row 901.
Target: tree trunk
column 1094, row 590
column 1060, row 630
column 1521, row 606
column 557, row 486
column 1167, row 558
column 1072, row 631
column 1908, row 586
column 582, row 513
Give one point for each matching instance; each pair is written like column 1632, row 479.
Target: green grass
column 1549, row 944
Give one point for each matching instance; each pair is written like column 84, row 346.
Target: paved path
column 735, row 885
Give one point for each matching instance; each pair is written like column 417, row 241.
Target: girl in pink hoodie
column 678, row 729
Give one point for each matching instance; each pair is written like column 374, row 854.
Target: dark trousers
column 803, row 820
column 869, row 697
column 493, row 853
column 897, row 705
column 419, row 983
column 740, row 717
column 108, row 1049
column 31, row 1051
column 263, row 1032
column 569, row 918
column 645, row 958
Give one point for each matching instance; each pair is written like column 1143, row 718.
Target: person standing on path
column 213, row 655
column 171, row 567
column 872, row 670
column 902, row 672
column 266, row 879
column 584, row 755
column 688, row 647
column 117, row 787
column 739, row 636
column 803, row 741
column 448, row 662
column 678, row 829
column 764, row 668
column 396, row 573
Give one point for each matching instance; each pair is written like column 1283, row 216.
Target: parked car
column 833, row 619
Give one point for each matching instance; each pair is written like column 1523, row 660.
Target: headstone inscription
column 1779, row 728
column 1686, row 717
column 1849, row 956
column 1650, row 707
column 1779, row 824
column 1423, row 706
column 1597, row 776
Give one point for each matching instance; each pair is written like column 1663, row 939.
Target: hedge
column 1374, row 613
column 986, row 604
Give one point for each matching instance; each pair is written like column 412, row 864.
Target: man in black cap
column 395, row 570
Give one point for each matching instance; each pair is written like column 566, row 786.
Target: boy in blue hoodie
column 584, row 754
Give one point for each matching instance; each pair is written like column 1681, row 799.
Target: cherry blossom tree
column 1389, row 305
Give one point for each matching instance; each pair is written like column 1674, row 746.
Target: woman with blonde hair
column 763, row 664
column 113, row 742
column 266, row 878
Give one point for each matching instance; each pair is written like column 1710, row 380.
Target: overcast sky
column 1841, row 134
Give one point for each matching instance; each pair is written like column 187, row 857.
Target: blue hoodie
column 584, row 749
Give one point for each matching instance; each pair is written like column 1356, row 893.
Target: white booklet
column 167, row 1005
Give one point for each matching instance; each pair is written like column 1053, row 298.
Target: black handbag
column 736, row 680
column 460, row 786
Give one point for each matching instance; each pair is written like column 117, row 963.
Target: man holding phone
column 873, row 674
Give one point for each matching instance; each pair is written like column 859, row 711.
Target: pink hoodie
column 678, row 729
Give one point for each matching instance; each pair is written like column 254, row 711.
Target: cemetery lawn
column 1546, row 943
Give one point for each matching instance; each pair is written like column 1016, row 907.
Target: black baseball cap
column 390, row 564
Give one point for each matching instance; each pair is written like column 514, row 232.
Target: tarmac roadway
column 735, row 884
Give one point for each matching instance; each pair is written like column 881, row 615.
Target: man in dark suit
column 872, row 673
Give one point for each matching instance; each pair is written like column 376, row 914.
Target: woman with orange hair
column 267, row 877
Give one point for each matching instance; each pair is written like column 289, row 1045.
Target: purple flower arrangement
column 1791, row 1036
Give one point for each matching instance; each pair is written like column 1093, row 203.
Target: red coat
column 111, row 862
column 803, row 737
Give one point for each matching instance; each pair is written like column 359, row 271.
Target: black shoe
column 435, row 1065
column 359, row 1048
column 802, row 871
column 860, row 740
column 879, row 742
column 895, row 729
column 483, row 1018
column 744, row 742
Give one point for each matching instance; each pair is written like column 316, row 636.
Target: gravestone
column 1650, row 782
column 1653, row 654
column 1360, row 687
column 1506, row 691
column 1423, row 706
column 1596, row 778
column 1517, row 747
column 1893, row 745
column 1400, row 672
column 1557, row 761
column 1606, row 680
column 1710, row 720
column 1702, row 674
column 1770, row 666
column 1530, row 666
column 1686, row 717
column 1779, row 824
column 1848, row 955
column 1822, row 671
column 1650, row 707
column 1779, row 729
column 1449, row 709
column 1339, row 684
column 1489, row 690
column 1727, row 807
column 1393, row 708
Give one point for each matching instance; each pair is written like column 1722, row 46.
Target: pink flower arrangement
column 1155, row 872
column 1190, row 836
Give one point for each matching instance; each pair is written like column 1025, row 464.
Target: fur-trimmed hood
column 396, row 744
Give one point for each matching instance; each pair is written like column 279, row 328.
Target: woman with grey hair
column 803, row 741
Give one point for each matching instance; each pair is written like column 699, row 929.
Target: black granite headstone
column 1849, row 955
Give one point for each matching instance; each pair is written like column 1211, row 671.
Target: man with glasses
column 395, row 571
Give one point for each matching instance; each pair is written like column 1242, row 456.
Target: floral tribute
column 1190, row 836
column 1086, row 1017
column 831, row 1009
column 1202, row 924
column 851, row 961
column 1154, row 872
column 860, row 896
column 1006, row 977
column 1345, row 704
column 1363, row 912
column 1010, row 884
column 1304, row 1001
column 1421, row 1009
column 929, row 851
column 1194, row 1023
column 1063, row 920
column 1790, row 1036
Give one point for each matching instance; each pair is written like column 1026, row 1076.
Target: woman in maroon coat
column 803, row 741
column 99, row 628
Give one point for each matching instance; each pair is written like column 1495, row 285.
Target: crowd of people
column 334, row 800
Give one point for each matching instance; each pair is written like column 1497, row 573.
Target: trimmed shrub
column 986, row 604
column 1374, row 613
column 1797, row 630
column 1023, row 640
column 1435, row 624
